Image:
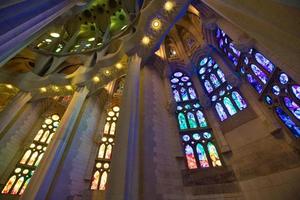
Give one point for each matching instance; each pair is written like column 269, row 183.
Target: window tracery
column 195, row 133
column 28, row 163
column 278, row 91
column 226, row 100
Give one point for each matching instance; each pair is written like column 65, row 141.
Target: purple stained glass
column 174, row 80
column 296, row 91
column 208, row 86
column 283, row 78
column 221, row 112
column 264, row 62
column 214, row 80
column 257, row 86
column 221, row 75
column 178, row 74
column 260, row 74
column 246, row 60
column 238, row 99
column 235, row 51
column 185, row 79
column 176, row 95
column 210, row 62
column 218, row 33
column 288, row 121
column 192, row 93
column 276, row 90
column 221, row 43
column 202, row 70
column 292, row 106
column 184, row 95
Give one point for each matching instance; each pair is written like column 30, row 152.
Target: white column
column 123, row 181
column 12, row 110
column 40, row 183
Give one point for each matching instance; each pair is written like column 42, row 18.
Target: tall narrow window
column 226, row 100
column 195, row 133
column 102, row 164
column 28, row 163
column 279, row 91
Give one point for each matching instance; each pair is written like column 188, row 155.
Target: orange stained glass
column 33, row 158
column 24, row 186
column 17, row 186
column 9, row 184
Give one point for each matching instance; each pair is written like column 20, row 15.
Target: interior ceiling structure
column 89, row 45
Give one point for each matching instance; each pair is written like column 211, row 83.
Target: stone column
column 12, row 110
column 40, row 183
column 123, row 182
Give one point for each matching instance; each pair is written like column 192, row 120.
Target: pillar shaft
column 123, row 182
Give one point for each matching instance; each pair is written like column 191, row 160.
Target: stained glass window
column 213, row 154
column 194, row 129
column 24, row 170
column 221, row 95
column 279, row 91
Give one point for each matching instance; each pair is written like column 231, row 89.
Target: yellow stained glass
column 39, row 159
column 112, row 128
column 95, row 181
column 49, row 138
column 103, row 181
column 33, row 158
column 106, row 128
column 39, row 135
column 24, row 186
column 17, row 186
column 101, row 151
column 25, row 157
column 108, row 151
column 45, row 136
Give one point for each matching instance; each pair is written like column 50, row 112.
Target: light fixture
column 123, row 27
column 43, row 89
column 88, row 45
column 55, row 35
column 119, row 65
column 107, row 72
column 55, row 88
column 9, row 86
column 77, row 45
column 145, row 40
column 58, row 50
column 99, row 44
column 169, row 5
column 96, row 79
column 156, row 24
column 91, row 39
column 68, row 87
column 48, row 40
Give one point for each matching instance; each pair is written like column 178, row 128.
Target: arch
column 103, row 181
column 214, row 156
column 191, row 120
column 189, row 154
column 202, row 156
column 101, row 150
column 238, row 99
column 208, row 86
column 201, row 119
column 95, row 181
column 214, row 80
column 230, row 107
column 182, row 121
column 220, row 110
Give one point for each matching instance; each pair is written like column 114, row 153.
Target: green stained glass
column 230, row 107
column 215, row 159
column 192, row 120
column 182, row 121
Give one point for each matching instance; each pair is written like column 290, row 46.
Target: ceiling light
column 145, row 40
column 88, row 45
column 68, row 87
column 123, row 27
column 76, row 46
column 119, row 65
column 9, row 86
column 58, row 50
column 48, row 40
column 156, row 24
column 169, row 5
column 43, row 89
column 91, row 39
column 107, row 72
column 96, row 79
column 55, row 88
column 55, row 35
column 99, row 44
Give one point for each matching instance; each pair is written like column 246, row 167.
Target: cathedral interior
column 150, row 100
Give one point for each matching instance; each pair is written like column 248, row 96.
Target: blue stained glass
column 218, row 33
column 188, row 83
column 268, row 100
column 210, row 62
column 242, row 70
column 182, row 121
column 226, row 40
column 174, row 80
column 196, row 136
column 235, row 51
column 222, row 92
column 184, row 94
column 258, row 87
column 296, row 91
column 229, row 87
column 206, row 135
column 223, row 33
column 292, row 106
column 186, row 138
column 192, row 93
column 179, row 108
column 230, row 107
column 202, row 70
column 176, row 95
column 192, row 120
column 221, row 43
column 288, row 121
column 203, row 61
column 246, row 60
column 264, row 62
column 202, row 156
column 201, row 119
column 208, row 86
column 215, row 66
column 283, row 78
column 214, row 80
column 221, row 112
column 185, row 79
column 238, row 99
column 250, row 51
column 260, row 74
column 221, row 75
column 196, row 105
column 214, row 98
column 187, row 106
column 276, row 90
